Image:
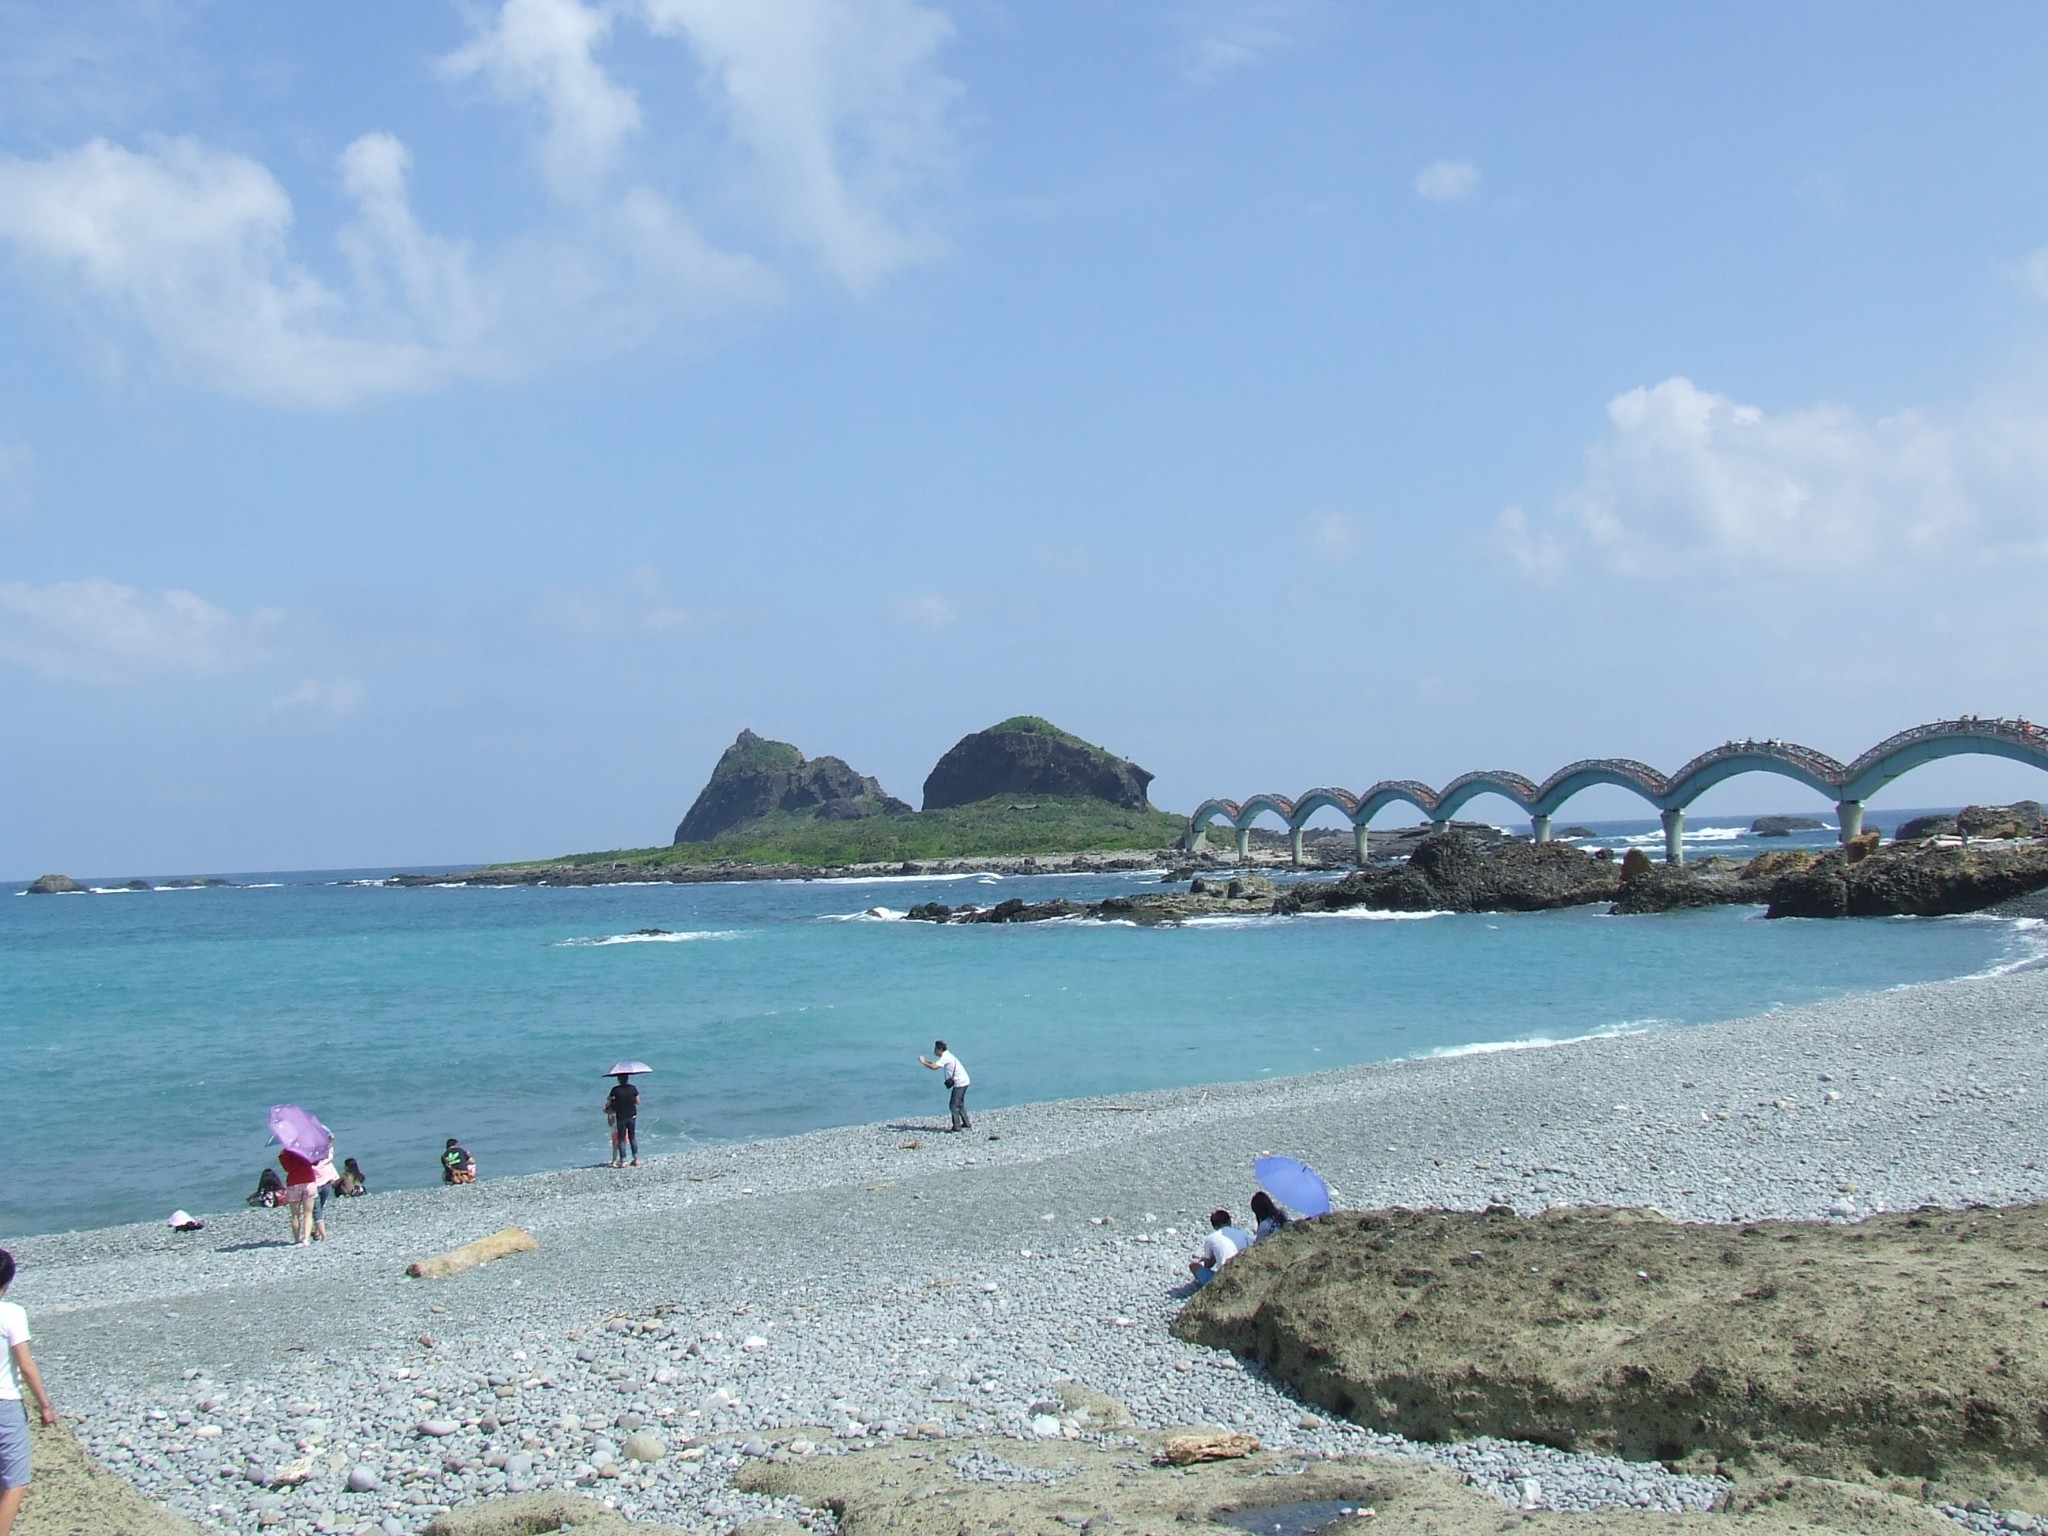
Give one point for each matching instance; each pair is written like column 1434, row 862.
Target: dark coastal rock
column 1921, row 828
column 1916, row 879
column 1784, row 826
column 197, row 882
column 1454, row 872
column 755, row 777
column 53, row 885
column 2023, row 818
column 1575, row 832
column 138, row 885
column 1029, row 756
column 1709, row 882
column 1014, row 910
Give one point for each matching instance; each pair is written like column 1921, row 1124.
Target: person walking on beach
column 18, row 1370
column 301, row 1188
column 622, row 1109
column 956, row 1080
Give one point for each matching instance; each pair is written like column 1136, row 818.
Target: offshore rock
column 1784, row 826
column 756, row 776
column 1025, row 755
column 1914, row 879
column 2023, row 818
column 1454, row 872
column 1710, row 882
column 53, row 885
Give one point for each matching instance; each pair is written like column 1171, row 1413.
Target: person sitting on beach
column 622, row 1109
column 1271, row 1217
column 351, row 1182
column 17, row 1370
column 269, row 1189
column 301, row 1188
column 1224, row 1243
column 457, row 1166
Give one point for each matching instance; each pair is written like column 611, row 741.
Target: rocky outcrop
column 1784, row 826
column 2023, row 818
column 755, row 777
column 1452, row 872
column 1906, row 1345
column 53, row 885
column 1914, row 879
column 1029, row 756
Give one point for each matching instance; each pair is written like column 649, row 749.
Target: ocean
column 145, row 1034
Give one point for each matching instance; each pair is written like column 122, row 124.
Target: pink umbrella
column 297, row 1131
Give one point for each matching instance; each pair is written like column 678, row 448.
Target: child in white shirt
column 19, row 1370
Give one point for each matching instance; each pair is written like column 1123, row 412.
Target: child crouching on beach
column 18, row 1371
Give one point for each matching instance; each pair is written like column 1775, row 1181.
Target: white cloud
column 832, row 113
column 542, row 52
column 641, row 604
column 1691, row 483
column 843, row 114
column 1332, row 535
column 1447, row 181
column 98, row 631
column 330, row 698
column 2033, row 273
column 927, row 610
column 189, row 245
column 1219, row 38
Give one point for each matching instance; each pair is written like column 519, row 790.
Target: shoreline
column 896, row 1277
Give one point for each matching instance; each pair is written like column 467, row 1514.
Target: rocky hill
column 756, row 777
column 1025, row 755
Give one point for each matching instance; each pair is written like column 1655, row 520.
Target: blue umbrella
column 1293, row 1184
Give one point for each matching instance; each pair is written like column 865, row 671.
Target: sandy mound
column 1051, row 1488
column 1911, row 1348
column 534, row 1514
column 70, row 1494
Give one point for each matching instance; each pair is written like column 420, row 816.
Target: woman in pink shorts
column 301, row 1186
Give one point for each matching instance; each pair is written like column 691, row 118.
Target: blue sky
column 429, row 432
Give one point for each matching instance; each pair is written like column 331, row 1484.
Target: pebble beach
column 815, row 1294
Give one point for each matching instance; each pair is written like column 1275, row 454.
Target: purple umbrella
column 1293, row 1184
column 297, row 1131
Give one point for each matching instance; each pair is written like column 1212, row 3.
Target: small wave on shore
column 1544, row 1042
column 1272, row 919
column 647, row 936
column 866, row 915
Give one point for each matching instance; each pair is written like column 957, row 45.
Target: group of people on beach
column 1226, row 1240
column 305, row 1188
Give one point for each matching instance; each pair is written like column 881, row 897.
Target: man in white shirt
column 1224, row 1243
column 956, row 1079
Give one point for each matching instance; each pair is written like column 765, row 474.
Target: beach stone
column 438, row 1428
column 753, row 1445
column 363, row 1479
column 1206, row 1445
column 1045, row 1426
column 641, row 1446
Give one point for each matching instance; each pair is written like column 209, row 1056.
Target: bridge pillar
column 1294, row 846
column 1436, row 827
column 1850, row 814
column 1539, row 828
column 1674, row 834
column 1197, row 840
column 1360, row 842
column 1244, row 845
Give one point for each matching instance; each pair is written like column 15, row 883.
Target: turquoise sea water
column 144, row 1034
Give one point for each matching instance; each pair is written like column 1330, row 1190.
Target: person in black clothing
column 622, row 1108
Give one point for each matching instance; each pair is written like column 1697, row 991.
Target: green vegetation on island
column 1021, row 788
column 1001, row 827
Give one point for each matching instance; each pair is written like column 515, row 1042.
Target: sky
column 429, row 432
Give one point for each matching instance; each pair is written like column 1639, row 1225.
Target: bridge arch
column 1802, row 765
column 1623, row 772
column 1467, row 787
column 2018, row 741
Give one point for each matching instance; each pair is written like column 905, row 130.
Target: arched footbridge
column 1849, row 785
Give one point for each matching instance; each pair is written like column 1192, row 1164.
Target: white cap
column 179, row 1219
